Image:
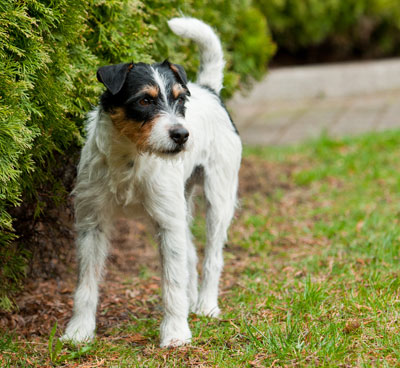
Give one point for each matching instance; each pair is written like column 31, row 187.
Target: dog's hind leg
column 220, row 192
column 192, row 287
column 92, row 248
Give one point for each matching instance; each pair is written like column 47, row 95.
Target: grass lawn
column 311, row 277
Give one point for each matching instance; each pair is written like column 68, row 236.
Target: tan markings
column 177, row 89
column 135, row 131
column 174, row 68
column 151, row 90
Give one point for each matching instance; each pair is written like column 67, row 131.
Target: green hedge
column 49, row 53
column 368, row 28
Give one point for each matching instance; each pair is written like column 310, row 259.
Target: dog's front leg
column 94, row 224
column 92, row 246
column 174, row 329
column 170, row 217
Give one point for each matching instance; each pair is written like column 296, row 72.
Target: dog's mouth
column 173, row 151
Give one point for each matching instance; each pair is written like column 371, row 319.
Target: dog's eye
column 146, row 101
column 181, row 100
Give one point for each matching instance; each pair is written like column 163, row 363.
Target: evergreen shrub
column 49, row 53
column 361, row 28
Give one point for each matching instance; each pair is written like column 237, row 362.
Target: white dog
column 153, row 138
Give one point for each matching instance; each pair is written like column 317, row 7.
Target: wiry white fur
column 212, row 58
column 114, row 179
column 161, row 82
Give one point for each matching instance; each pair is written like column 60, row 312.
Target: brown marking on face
column 177, row 89
column 136, row 132
column 151, row 90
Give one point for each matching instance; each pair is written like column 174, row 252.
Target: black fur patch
column 139, row 105
column 178, row 70
column 114, row 76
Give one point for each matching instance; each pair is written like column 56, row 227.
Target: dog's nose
column 179, row 135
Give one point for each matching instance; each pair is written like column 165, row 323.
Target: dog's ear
column 178, row 71
column 114, row 76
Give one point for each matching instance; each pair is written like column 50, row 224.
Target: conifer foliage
column 49, row 53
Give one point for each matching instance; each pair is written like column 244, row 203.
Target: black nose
column 179, row 135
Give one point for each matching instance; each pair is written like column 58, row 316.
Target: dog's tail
column 211, row 56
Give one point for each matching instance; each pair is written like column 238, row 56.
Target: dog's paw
column 174, row 333
column 172, row 342
column 79, row 331
column 208, row 310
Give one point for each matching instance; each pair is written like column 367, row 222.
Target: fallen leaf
column 351, row 326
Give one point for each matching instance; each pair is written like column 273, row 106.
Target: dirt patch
column 46, row 300
column 263, row 177
column 131, row 285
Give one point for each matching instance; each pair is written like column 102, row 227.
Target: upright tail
column 211, row 55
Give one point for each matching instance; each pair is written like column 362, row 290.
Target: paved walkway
column 295, row 104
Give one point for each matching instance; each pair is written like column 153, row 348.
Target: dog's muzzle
column 179, row 135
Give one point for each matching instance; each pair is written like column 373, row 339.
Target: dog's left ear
column 114, row 76
column 178, row 71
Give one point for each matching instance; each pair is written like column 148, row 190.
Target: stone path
column 298, row 103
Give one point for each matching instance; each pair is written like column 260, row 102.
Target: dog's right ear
column 114, row 76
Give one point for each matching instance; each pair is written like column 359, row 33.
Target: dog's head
column 146, row 103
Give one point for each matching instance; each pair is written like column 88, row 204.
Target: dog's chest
column 123, row 183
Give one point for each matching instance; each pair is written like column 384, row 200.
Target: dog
column 152, row 139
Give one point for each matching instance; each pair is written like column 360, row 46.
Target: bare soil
column 131, row 285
